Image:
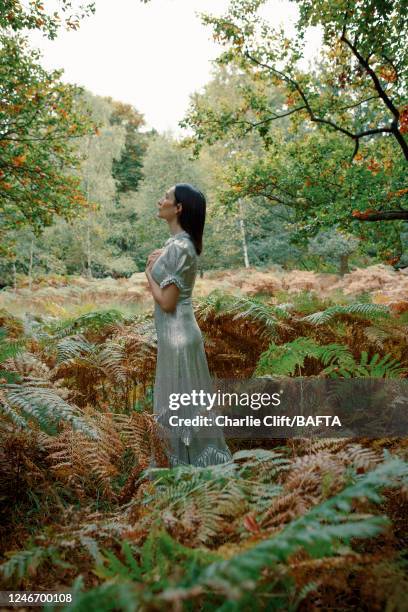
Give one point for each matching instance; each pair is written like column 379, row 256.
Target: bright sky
column 153, row 55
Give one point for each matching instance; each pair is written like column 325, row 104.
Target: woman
column 181, row 361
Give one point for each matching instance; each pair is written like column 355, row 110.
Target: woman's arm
column 166, row 297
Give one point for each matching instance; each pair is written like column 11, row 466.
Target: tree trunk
column 30, row 268
column 344, row 266
column 15, row 276
column 88, row 229
column 88, row 249
column 243, row 235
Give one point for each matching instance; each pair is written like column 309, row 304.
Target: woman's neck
column 175, row 227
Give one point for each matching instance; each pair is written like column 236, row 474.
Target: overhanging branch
column 385, row 215
column 390, row 129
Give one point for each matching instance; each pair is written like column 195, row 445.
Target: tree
column 93, row 243
column 313, row 177
column 363, row 61
column 127, row 170
column 334, row 246
column 336, row 102
column 225, row 142
column 16, row 16
column 39, row 118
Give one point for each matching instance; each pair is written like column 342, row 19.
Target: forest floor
column 289, row 524
column 69, row 295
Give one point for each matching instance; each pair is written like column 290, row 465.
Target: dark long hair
column 192, row 216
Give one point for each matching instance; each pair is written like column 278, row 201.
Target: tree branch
column 269, row 119
column 381, row 93
column 357, row 103
column 391, row 129
column 386, row 215
column 373, row 76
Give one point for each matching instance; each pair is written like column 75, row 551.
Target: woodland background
column 303, row 273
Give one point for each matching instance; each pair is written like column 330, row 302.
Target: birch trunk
column 30, row 269
column 243, row 235
column 15, row 276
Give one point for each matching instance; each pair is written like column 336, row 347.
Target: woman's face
column 168, row 208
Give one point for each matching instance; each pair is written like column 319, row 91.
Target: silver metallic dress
column 181, row 362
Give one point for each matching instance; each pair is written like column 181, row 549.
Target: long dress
column 181, row 362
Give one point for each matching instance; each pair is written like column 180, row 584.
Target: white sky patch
column 153, row 55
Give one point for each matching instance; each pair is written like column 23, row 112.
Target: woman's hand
column 152, row 258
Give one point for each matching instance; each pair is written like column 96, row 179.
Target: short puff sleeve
column 176, row 262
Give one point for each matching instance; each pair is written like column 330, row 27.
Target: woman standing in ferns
column 181, row 361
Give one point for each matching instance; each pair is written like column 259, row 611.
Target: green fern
column 305, row 301
column 283, row 360
column 364, row 309
column 27, row 561
column 286, row 359
column 106, row 597
column 334, row 353
column 146, row 576
column 90, row 321
column 171, row 572
column 47, row 408
column 215, row 303
column 158, row 546
column 21, row 562
column 318, row 532
column 8, row 350
column 11, row 414
column 76, row 347
column 387, row 367
column 255, row 309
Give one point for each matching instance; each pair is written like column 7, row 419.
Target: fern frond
column 92, row 547
column 112, row 357
column 139, row 432
column 386, row 367
column 90, row 321
column 8, row 411
column 9, row 348
column 317, row 532
column 27, row 366
column 248, row 307
column 46, row 407
column 87, row 464
column 376, row 336
column 367, row 310
column 75, row 347
column 107, row 596
column 203, row 502
column 304, row 592
column 213, row 304
column 262, row 464
column 25, row 561
column 282, row 360
column 360, row 457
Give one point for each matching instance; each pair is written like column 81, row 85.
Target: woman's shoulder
column 181, row 242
